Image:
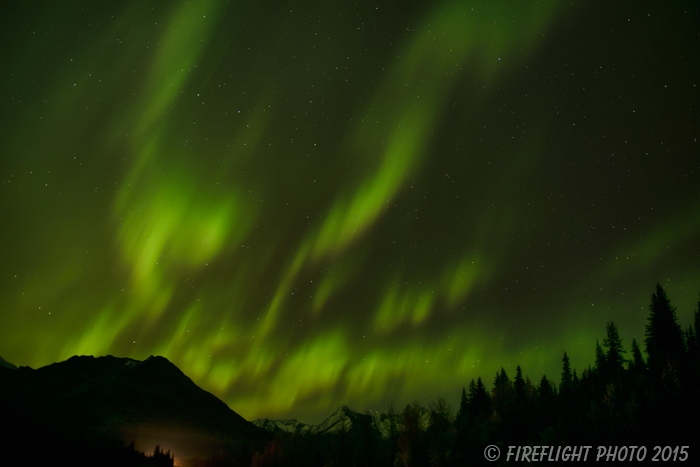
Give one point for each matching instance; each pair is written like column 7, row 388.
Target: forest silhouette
column 623, row 399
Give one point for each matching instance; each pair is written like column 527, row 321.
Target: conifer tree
column 695, row 352
column 696, row 321
column 691, row 345
column 546, row 389
column 472, row 391
column 613, row 358
column 529, row 389
column 566, row 378
column 600, row 363
column 664, row 339
column 637, row 362
column 479, row 402
column 545, row 400
column 501, row 385
column 463, row 402
column 502, row 400
column 519, row 386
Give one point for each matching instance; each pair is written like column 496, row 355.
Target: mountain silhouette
column 5, row 364
column 339, row 420
column 150, row 401
column 342, row 419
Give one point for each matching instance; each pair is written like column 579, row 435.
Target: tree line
column 627, row 397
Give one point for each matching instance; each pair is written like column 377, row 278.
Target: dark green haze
column 303, row 204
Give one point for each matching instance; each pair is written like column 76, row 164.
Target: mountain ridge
column 150, row 400
column 154, row 402
column 341, row 419
column 5, row 364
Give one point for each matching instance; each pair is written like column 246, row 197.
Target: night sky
column 309, row 204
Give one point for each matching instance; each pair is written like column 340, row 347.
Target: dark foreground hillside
column 109, row 401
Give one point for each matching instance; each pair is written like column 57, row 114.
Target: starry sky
column 309, row 204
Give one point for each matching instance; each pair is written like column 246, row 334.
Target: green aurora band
column 307, row 208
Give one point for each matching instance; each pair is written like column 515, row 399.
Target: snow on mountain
column 287, row 426
column 5, row 364
column 342, row 419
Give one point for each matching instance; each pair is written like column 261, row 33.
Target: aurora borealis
column 308, row 204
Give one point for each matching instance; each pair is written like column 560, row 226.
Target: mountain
column 5, row 364
column 342, row 419
column 283, row 426
column 150, row 401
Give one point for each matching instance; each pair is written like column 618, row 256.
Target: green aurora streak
column 303, row 207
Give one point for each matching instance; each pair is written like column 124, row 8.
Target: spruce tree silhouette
column 614, row 361
column 600, row 374
column 462, row 422
column 696, row 321
column 518, row 421
column 502, row 399
column 519, row 387
column 664, row 338
column 695, row 331
column 636, row 364
column 566, row 377
column 463, row 408
column 546, row 391
column 600, row 359
column 479, row 401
